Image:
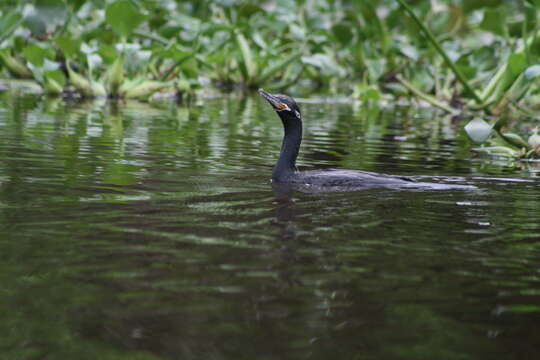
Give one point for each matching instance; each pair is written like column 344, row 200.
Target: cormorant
column 285, row 170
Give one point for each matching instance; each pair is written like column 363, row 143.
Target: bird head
column 284, row 105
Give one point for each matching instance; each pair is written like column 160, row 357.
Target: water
column 137, row 231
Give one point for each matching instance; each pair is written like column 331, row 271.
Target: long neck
column 286, row 164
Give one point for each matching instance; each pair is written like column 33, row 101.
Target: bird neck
column 286, row 164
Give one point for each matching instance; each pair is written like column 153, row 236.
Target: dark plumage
column 285, row 170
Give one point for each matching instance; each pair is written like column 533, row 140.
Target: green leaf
column 498, row 150
column 36, row 54
column 478, row 130
column 532, row 72
column 51, row 11
column 123, row 17
column 68, row 45
column 494, row 21
column 343, row 33
column 534, row 140
column 535, row 3
column 273, row 70
column 514, row 140
column 249, row 68
column 35, row 24
column 517, row 63
column 8, row 23
column 56, row 75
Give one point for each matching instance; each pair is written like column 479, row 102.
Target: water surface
column 139, row 231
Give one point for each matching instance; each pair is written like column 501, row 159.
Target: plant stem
column 441, row 51
column 422, row 95
column 152, row 37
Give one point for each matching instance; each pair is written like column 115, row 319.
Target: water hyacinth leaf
column 51, row 11
column 478, row 130
column 8, row 23
column 517, row 63
column 123, row 17
column 532, row 72
column 499, row 150
column 494, row 21
column 80, row 82
column 36, row 54
column 54, row 81
column 56, row 75
column 248, row 66
column 93, row 61
column 534, row 140
column 14, row 66
column 325, row 63
column 514, row 140
column 115, row 76
column 49, row 65
column 276, row 68
column 36, row 25
column 409, row 51
column 343, row 33
column 144, row 89
column 69, row 46
column 108, row 53
column 52, row 87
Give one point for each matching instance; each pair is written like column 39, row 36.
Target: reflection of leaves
column 123, row 17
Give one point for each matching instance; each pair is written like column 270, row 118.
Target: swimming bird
column 285, row 170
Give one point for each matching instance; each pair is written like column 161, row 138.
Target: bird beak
column 274, row 101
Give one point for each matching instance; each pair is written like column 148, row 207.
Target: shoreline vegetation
column 475, row 60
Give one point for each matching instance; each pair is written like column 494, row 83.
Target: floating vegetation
column 463, row 57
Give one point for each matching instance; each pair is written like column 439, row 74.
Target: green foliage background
column 474, row 54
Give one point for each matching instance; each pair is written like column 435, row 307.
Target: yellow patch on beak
column 281, row 106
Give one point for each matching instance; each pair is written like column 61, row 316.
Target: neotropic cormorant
column 285, row 170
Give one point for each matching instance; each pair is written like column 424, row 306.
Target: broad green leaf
column 35, row 24
column 36, row 54
column 478, row 130
column 249, row 68
column 517, row 63
column 279, row 66
column 515, row 140
column 534, row 140
column 49, row 65
column 532, row 72
column 123, row 17
column 56, row 75
column 470, row 5
column 8, row 23
column 343, row 33
column 15, row 67
column 51, row 11
column 498, row 150
column 108, row 53
column 494, row 21
column 115, row 75
column 68, row 45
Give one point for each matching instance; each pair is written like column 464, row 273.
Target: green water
column 137, row 231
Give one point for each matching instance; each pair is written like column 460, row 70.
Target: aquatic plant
column 461, row 56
